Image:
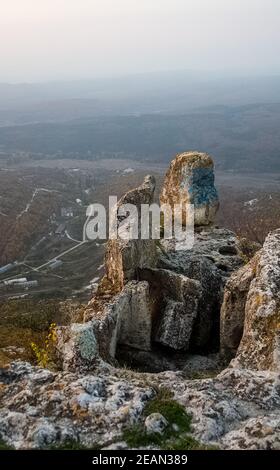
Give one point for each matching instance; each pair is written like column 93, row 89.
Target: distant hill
column 177, row 92
column 240, row 137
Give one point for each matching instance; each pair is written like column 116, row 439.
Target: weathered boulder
column 133, row 313
column 77, row 346
column 260, row 344
column 190, row 180
column 124, row 257
column 155, row 424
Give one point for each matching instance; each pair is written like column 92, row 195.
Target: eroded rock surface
column 124, row 257
column 214, row 256
column 233, row 308
column 155, row 292
column 190, row 180
column 260, row 345
column 44, row 409
column 175, row 303
column 239, row 409
column 156, row 299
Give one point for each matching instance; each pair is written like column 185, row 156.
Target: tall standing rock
column 190, row 180
column 124, row 257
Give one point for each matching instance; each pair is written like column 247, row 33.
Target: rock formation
column 238, row 409
column 170, row 310
column 124, row 257
column 154, row 294
column 215, row 255
column 252, row 307
column 233, row 308
column 190, row 180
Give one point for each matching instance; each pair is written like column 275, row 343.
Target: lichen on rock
column 176, row 311
column 190, row 180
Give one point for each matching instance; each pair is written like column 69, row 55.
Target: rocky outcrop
column 156, row 299
column 44, row 409
column 190, row 180
column 260, row 345
column 78, row 347
column 154, row 292
column 124, row 257
column 233, row 308
column 214, row 256
column 251, row 310
column 175, row 299
column 238, row 409
column 126, row 320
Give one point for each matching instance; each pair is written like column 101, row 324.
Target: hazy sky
column 72, row 39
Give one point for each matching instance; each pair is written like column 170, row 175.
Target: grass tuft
column 4, row 446
column 177, row 434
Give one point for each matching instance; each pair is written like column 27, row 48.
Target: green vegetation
column 29, row 314
column 45, row 355
column 4, row 446
column 27, row 322
column 177, row 434
column 173, row 412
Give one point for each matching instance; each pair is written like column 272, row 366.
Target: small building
column 29, row 284
column 67, row 212
column 6, row 268
column 60, row 229
column 13, row 282
column 55, row 264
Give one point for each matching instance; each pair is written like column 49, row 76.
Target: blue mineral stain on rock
column 202, row 188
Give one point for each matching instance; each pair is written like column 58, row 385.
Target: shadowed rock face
column 190, row 180
column 175, row 306
column 252, row 306
column 233, row 308
column 260, row 345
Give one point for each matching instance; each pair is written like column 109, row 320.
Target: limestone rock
column 214, row 256
column 155, row 424
column 238, row 409
column 260, row 344
column 175, row 306
column 77, row 346
column 251, row 310
column 233, row 308
column 261, row 433
column 190, row 180
column 127, row 319
column 134, row 317
column 87, row 409
column 124, row 257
